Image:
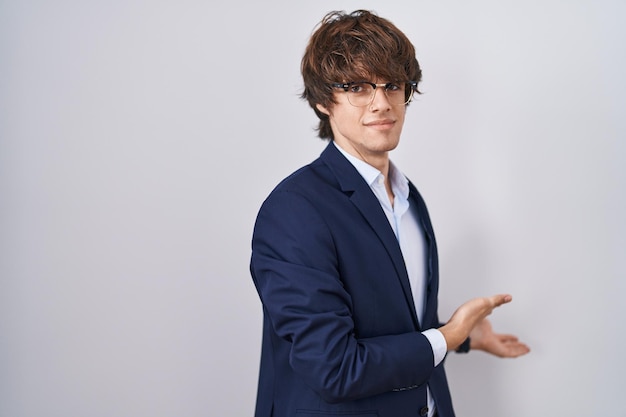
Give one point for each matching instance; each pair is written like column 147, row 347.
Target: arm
column 295, row 268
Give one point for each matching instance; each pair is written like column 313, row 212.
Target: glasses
column 361, row 93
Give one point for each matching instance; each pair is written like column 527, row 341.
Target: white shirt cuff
column 438, row 344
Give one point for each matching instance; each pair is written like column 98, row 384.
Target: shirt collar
column 368, row 172
column 399, row 183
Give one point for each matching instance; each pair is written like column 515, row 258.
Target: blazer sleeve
column 295, row 269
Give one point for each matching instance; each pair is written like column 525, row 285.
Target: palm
column 482, row 337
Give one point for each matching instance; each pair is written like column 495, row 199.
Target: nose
column 380, row 102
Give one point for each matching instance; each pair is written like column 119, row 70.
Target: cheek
column 349, row 120
column 400, row 119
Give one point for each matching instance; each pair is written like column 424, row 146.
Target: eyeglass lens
column 362, row 93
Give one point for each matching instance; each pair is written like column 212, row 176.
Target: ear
column 322, row 109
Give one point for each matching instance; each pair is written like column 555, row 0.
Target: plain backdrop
column 139, row 138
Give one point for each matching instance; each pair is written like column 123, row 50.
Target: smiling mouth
column 381, row 124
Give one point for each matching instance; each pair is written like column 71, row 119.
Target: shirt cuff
column 438, row 344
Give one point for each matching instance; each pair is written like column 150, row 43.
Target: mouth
column 382, row 124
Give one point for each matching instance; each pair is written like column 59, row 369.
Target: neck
column 379, row 160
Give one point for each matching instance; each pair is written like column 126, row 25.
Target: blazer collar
column 353, row 184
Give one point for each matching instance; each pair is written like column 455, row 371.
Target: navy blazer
column 340, row 332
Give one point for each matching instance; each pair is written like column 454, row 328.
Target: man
column 343, row 253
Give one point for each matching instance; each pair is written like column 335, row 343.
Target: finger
column 515, row 350
column 499, row 299
column 518, row 350
column 507, row 338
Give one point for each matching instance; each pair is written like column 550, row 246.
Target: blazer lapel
column 366, row 202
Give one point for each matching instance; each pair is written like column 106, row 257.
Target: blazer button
column 424, row 411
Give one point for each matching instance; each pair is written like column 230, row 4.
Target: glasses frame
column 345, row 87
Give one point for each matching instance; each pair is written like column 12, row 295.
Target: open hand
column 483, row 338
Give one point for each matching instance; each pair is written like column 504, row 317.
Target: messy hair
column 353, row 47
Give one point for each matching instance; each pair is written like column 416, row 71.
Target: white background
column 138, row 139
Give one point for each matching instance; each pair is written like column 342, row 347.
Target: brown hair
column 353, row 47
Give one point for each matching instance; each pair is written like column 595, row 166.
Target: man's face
column 367, row 132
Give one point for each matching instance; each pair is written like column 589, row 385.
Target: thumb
column 499, row 299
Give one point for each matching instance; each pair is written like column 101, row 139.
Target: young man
column 343, row 253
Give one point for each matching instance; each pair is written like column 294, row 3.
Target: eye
column 392, row 87
column 357, row 88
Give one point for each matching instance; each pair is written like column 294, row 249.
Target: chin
column 391, row 144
